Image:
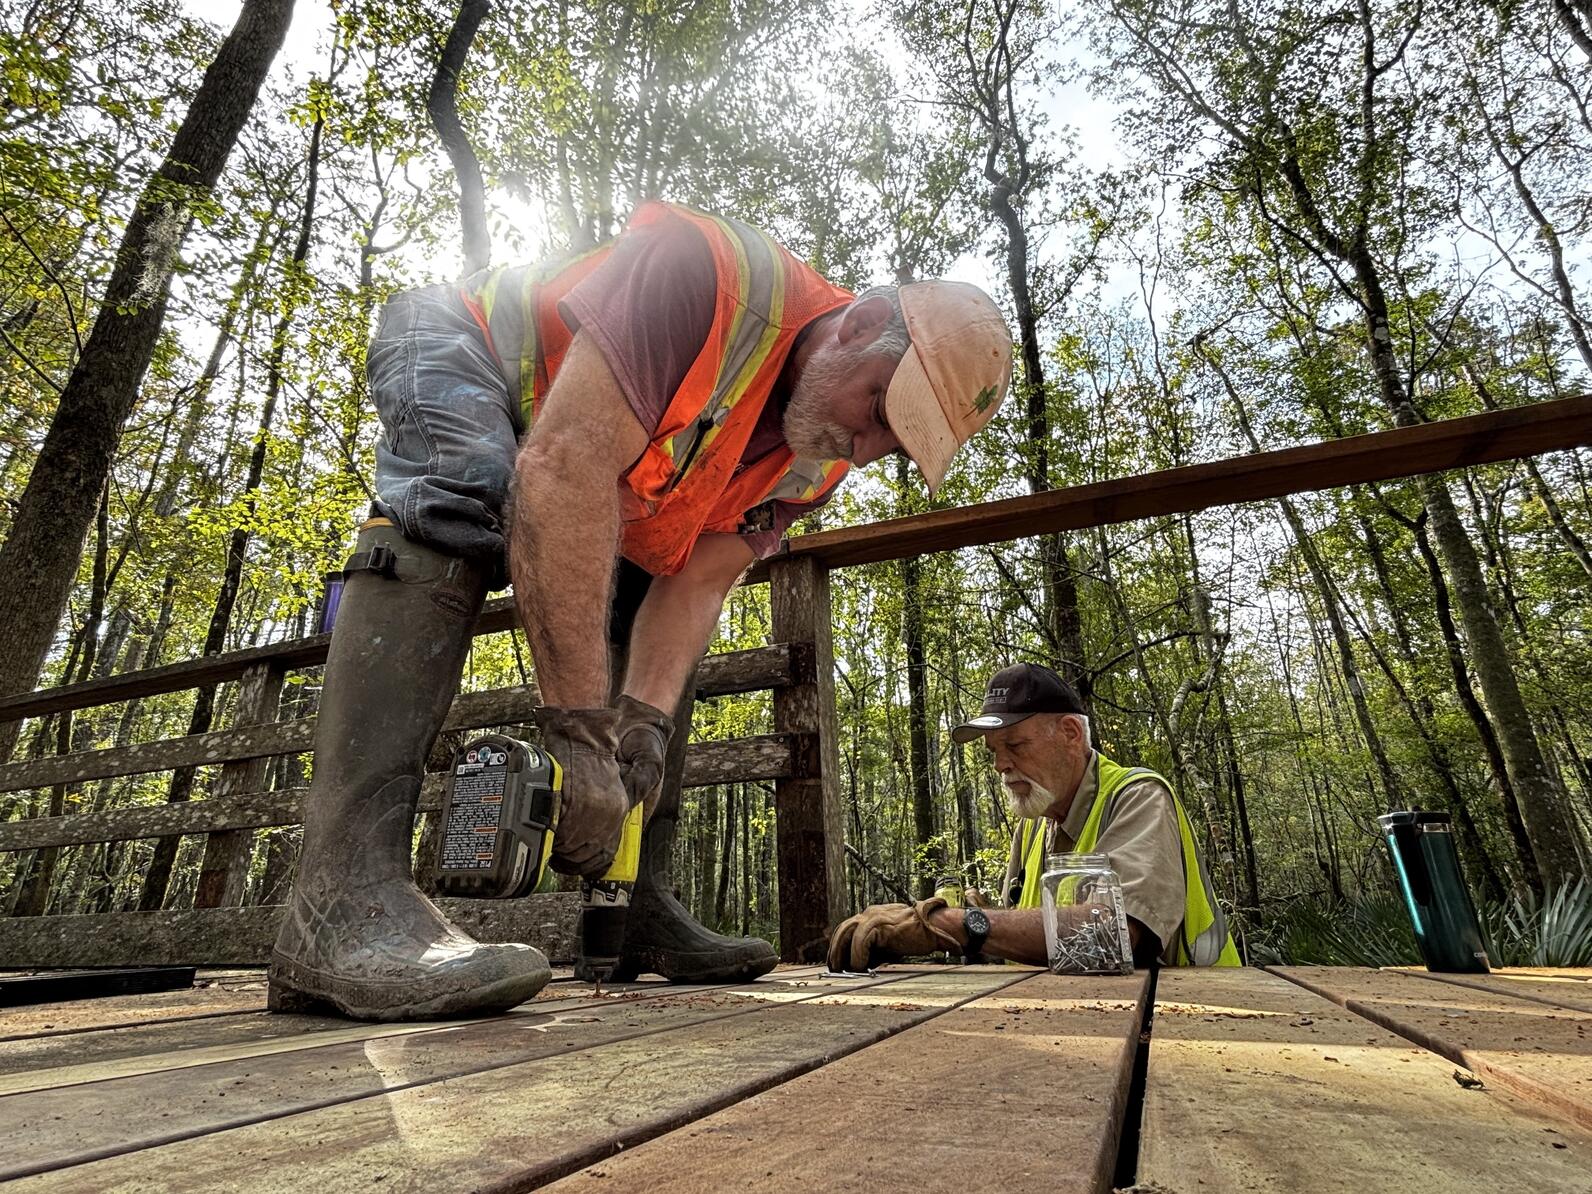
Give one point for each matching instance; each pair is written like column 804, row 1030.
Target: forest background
column 1215, row 227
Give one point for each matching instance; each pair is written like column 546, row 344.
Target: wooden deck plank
column 939, row 1107
column 1565, row 993
column 235, row 991
column 67, row 1124
column 1255, row 1083
column 159, row 1048
column 509, row 1126
column 1579, row 973
column 1540, row 1053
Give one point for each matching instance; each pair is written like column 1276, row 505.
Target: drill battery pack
column 499, row 812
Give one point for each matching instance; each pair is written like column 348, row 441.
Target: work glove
column 644, row 733
column 594, row 803
column 887, row 932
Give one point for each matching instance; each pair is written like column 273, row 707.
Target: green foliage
column 1523, row 929
column 1372, row 930
column 1532, row 930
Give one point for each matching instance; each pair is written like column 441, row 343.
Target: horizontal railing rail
column 1487, row 438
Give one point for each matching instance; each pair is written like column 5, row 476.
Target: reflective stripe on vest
column 691, row 479
column 1202, row 938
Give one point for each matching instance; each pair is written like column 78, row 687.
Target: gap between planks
column 568, row 1105
column 962, row 1102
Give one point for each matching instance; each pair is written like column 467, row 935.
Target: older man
column 663, row 407
column 1067, row 797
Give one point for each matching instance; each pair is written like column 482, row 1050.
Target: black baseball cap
column 1019, row 692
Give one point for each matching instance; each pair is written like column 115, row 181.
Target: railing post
column 225, row 871
column 810, row 827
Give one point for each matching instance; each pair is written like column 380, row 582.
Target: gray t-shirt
column 649, row 308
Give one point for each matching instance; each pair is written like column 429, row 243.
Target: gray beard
column 809, row 429
column 1034, row 804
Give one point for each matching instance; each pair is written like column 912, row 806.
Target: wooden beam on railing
column 243, row 936
column 744, row 671
column 719, row 675
column 809, row 825
column 728, row 761
column 1355, row 460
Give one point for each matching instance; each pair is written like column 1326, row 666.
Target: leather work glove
column 886, row 932
column 644, row 733
column 594, row 804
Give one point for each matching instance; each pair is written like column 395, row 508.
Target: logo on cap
column 985, row 397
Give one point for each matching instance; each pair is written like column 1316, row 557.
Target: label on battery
column 469, row 839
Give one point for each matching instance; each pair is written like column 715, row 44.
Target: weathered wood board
column 213, row 994
column 45, row 1062
column 1255, row 1083
column 1541, row 1053
column 1554, row 991
column 1580, row 974
column 717, row 675
column 588, row 1089
column 1023, row 1089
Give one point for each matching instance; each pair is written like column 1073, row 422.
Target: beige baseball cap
column 953, row 376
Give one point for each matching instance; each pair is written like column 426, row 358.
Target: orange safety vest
column 691, row 479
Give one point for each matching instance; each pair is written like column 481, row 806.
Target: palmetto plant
column 1522, row 930
column 1367, row 931
column 1554, row 930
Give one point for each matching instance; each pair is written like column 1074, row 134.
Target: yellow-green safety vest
column 1202, row 939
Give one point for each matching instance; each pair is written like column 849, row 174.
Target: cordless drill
column 499, row 819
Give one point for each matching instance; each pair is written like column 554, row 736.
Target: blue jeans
column 445, row 456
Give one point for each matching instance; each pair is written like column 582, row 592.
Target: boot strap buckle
column 381, row 559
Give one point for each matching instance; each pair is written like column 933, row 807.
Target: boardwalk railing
column 801, row 756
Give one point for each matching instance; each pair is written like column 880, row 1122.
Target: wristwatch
column 976, row 925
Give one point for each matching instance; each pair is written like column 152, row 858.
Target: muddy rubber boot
column 358, row 935
column 661, row 937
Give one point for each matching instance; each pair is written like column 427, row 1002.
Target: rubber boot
column 358, row 935
column 661, row 937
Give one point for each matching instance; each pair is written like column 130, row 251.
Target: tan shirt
column 1141, row 840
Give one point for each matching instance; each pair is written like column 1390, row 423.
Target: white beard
column 809, row 430
column 1038, row 799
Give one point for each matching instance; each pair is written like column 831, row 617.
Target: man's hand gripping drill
column 594, row 802
column 615, row 772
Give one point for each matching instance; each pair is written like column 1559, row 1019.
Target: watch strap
column 975, row 937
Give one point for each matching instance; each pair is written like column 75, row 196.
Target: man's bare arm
column 677, row 617
column 564, row 534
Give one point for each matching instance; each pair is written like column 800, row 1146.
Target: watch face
column 976, row 922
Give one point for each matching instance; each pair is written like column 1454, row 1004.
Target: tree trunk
column 930, row 859
column 33, row 898
column 1542, row 801
column 39, row 559
column 726, row 858
column 442, row 104
column 158, row 878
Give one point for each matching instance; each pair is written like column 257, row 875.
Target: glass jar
column 949, row 888
column 1086, row 930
